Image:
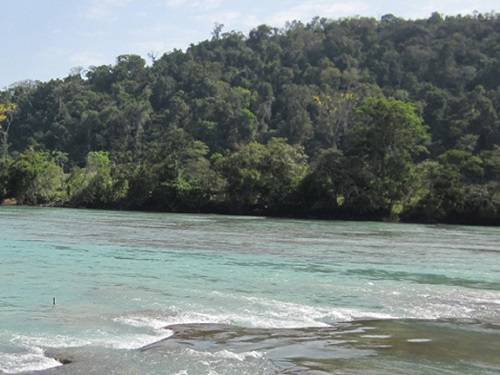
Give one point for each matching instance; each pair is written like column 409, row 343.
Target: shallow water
column 244, row 295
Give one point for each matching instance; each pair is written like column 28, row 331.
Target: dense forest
column 355, row 118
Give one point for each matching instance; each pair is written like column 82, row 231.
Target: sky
column 44, row 39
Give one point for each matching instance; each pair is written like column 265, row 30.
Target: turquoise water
column 120, row 278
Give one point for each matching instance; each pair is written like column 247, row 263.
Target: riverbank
column 8, row 202
column 280, row 214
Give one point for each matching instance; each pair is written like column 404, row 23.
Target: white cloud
column 160, row 38
column 87, row 58
column 197, row 4
column 322, row 8
column 450, row 7
column 304, row 10
column 156, row 47
column 99, row 9
column 231, row 19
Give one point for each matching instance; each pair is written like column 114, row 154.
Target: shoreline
column 264, row 215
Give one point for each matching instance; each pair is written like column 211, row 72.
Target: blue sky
column 43, row 39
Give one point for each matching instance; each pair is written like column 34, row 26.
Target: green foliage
column 492, row 163
column 95, row 185
column 36, row 178
column 6, row 113
column 353, row 118
column 374, row 173
column 387, row 137
column 4, row 177
column 262, row 176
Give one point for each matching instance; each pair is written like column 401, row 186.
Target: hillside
column 355, row 118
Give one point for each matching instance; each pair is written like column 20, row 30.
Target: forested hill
column 355, row 118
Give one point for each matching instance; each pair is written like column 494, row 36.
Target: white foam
column 377, row 336
column 418, row 341
column 487, row 301
column 347, row 315
column 445, row 302
column 142, row 321
column 130, row 341
column 253, row 320
column 35, row 360
column 98, row 338
column 55, row 342
column 226, row 354
column 301, row 316
column 177, row 319
column 253, row 312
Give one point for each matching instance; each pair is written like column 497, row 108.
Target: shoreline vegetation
column 358, row 119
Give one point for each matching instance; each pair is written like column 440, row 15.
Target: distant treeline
column 356, row 118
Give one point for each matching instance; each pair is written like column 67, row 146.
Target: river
column 146, row 293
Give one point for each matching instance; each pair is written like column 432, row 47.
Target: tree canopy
column 352, row 118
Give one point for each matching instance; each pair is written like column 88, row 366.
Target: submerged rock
column 366, row 347
column 358, row 346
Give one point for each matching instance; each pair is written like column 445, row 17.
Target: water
column 145, row 293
